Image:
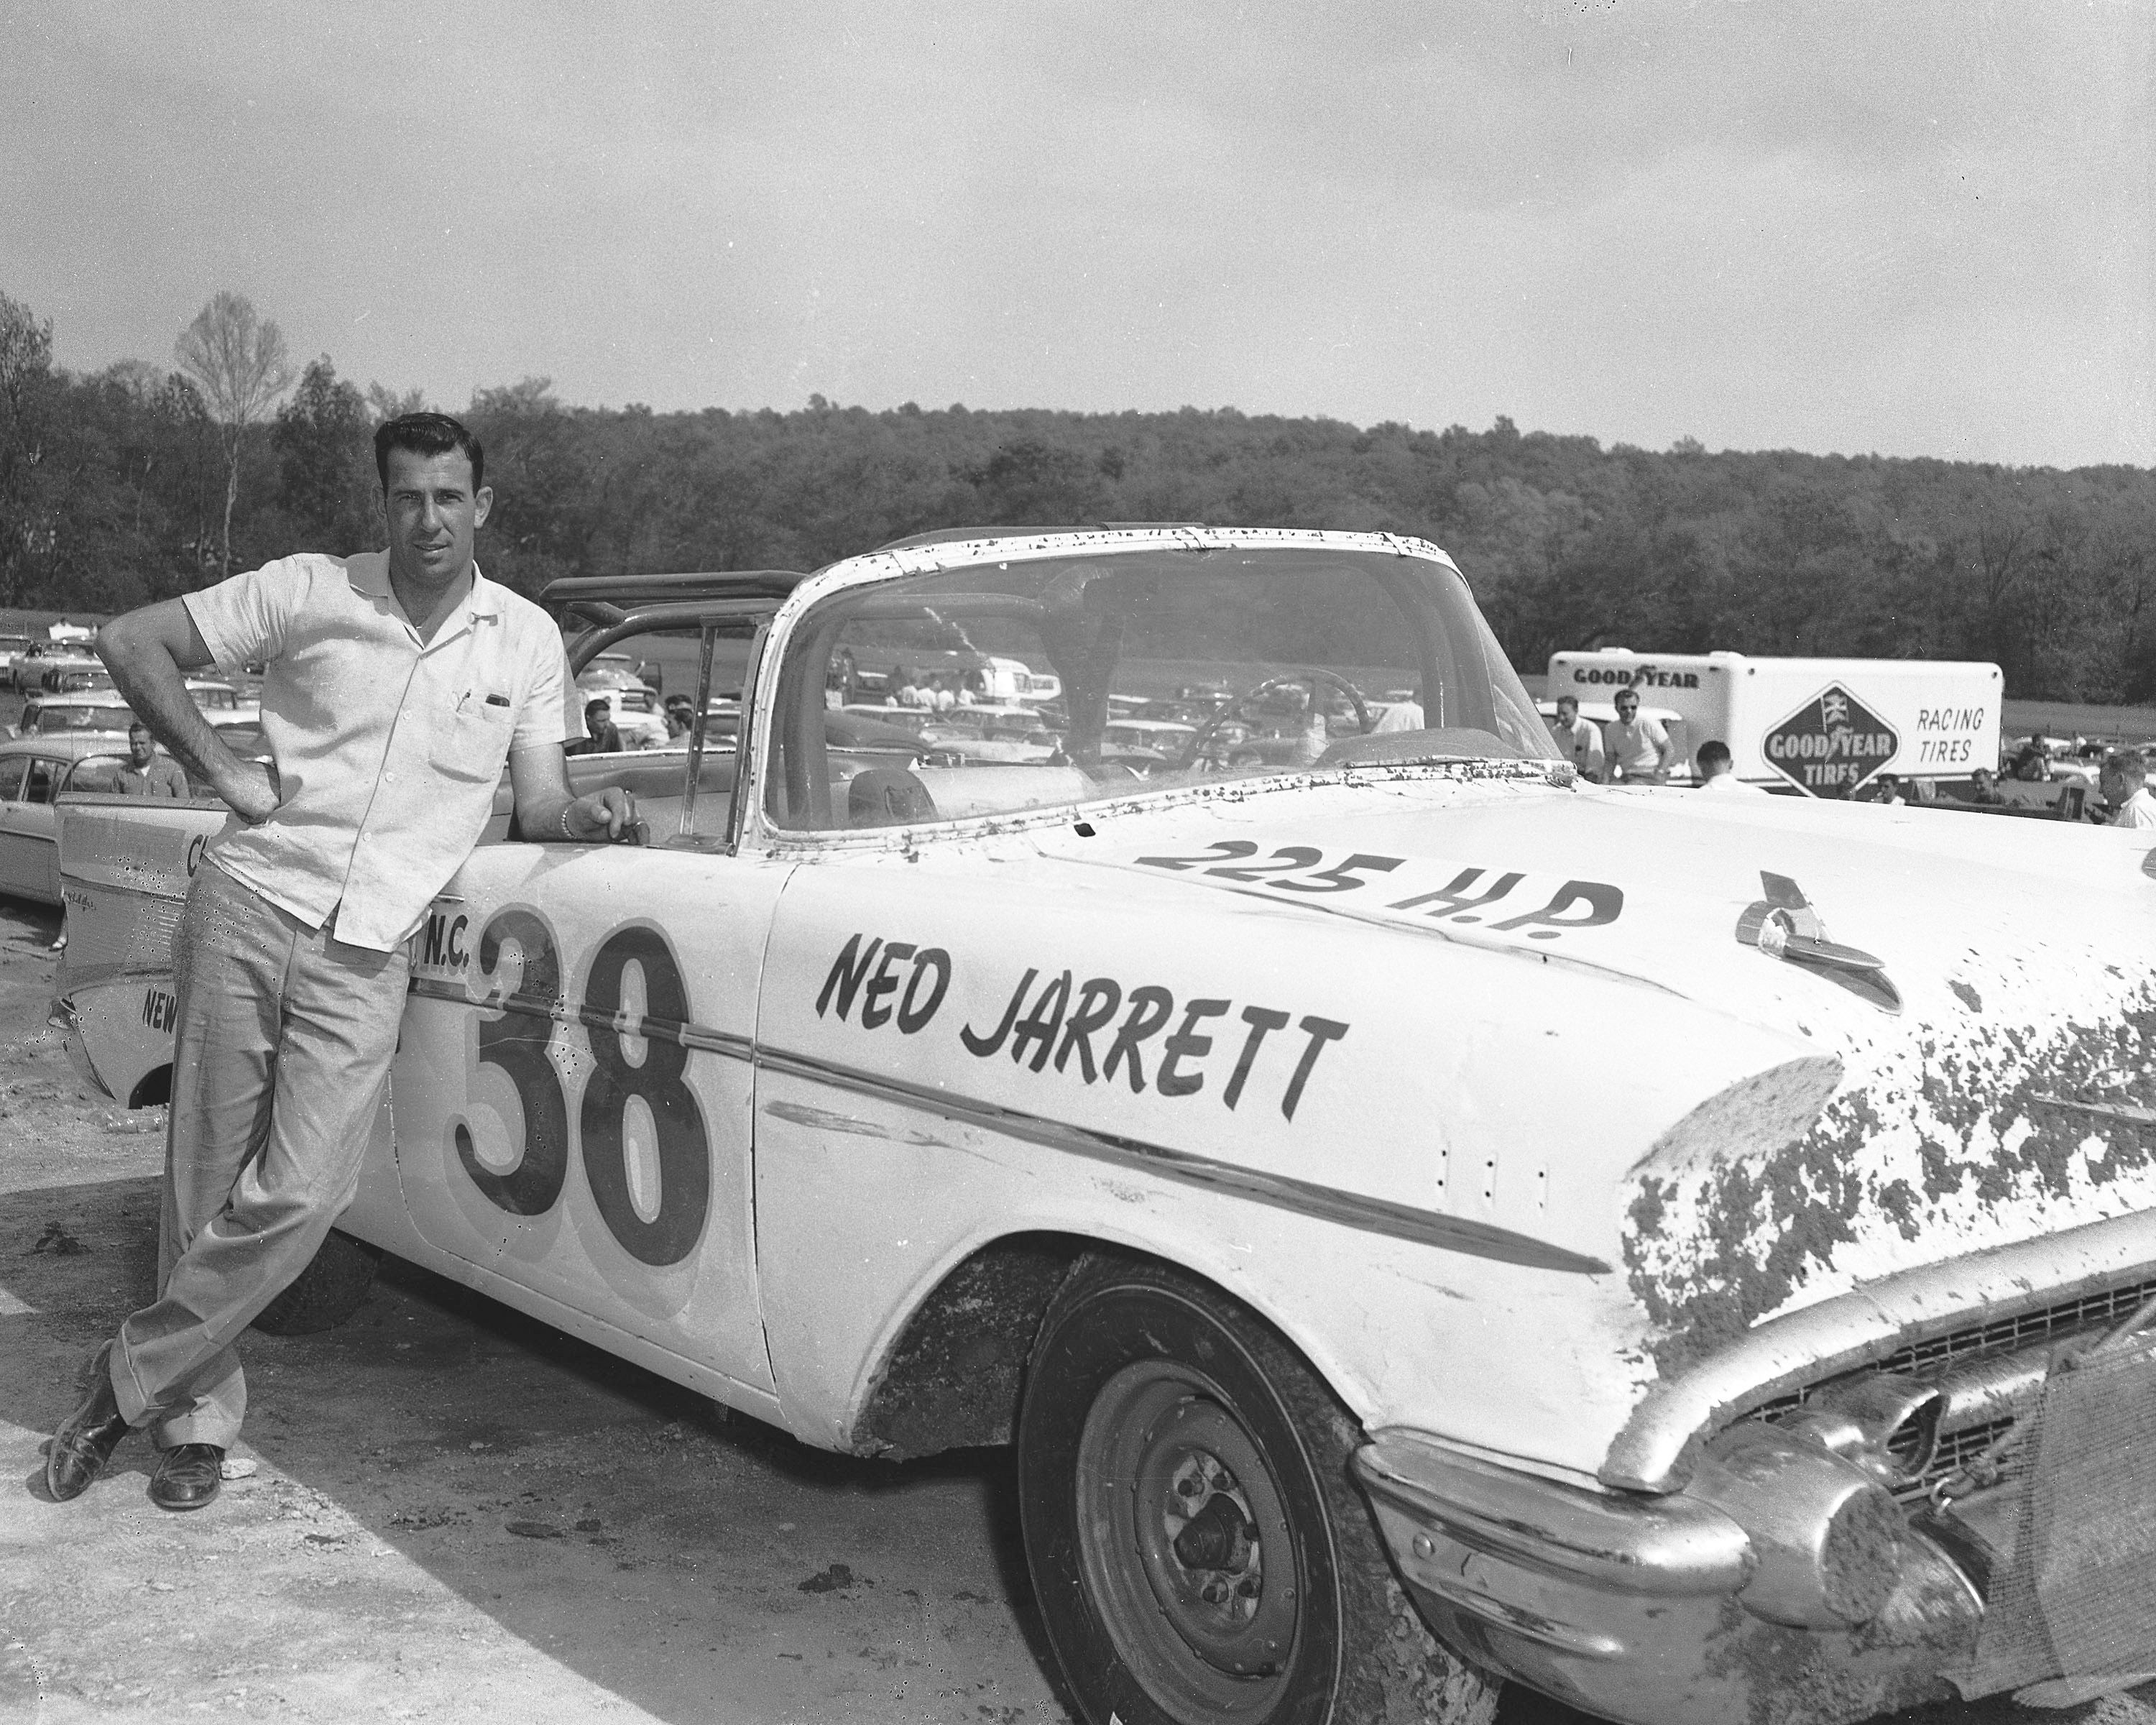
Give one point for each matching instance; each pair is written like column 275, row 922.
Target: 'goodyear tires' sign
column 1831, row 744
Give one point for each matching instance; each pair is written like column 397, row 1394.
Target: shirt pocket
column 471, row 746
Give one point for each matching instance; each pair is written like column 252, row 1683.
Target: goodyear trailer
column 1823, row 726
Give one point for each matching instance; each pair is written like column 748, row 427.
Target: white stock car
column 1422, row 1221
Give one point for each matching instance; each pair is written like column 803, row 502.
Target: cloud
column 1817, row 224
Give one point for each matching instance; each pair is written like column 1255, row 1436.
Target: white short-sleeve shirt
column 387, row 751
column 2138, row 810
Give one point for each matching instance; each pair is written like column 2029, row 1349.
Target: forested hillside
column 113, row 490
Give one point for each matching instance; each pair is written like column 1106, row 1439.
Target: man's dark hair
column 1713, row 752
column 597, row 701
column 427, row 434
column 139, row 726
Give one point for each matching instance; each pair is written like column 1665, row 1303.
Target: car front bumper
column 1772, row 1587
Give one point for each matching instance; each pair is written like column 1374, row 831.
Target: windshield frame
column 777, row 696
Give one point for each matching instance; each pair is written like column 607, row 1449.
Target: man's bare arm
column 149, row 652
column 545, row 808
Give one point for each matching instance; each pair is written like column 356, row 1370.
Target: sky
column 1838, row 226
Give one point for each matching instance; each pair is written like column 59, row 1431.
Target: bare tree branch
column 237, row 359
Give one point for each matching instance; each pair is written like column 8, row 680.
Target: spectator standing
column 1639, row 750
column 145, row 775
column 2125, row 782
column 1718, row 770
column 1984, row 788
column 1581, row 739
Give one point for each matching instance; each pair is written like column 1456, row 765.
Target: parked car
column 624, row 670
column 33, row 772
column 65, row 660
column 29, row 667
column 91, row 710
column 1153, row 742
column 224, row 705
column 80, row 681
column 1422, row 1221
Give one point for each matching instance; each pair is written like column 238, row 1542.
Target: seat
column 887, row 796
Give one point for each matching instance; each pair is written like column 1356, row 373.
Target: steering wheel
column 1195, row 748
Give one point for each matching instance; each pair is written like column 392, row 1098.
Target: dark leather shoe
column 187, row 1476
column 85, row 1441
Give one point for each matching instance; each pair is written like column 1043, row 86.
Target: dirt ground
column 460, row 1514
column 457, row 1514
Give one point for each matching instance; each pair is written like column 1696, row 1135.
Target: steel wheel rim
column 1184, row 1543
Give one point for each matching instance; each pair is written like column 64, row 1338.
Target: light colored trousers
column 282, row 1048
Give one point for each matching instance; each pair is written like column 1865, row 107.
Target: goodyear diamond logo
column 1831, row 744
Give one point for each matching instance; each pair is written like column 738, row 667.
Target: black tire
column 326, row 1292
column 1272, row 1602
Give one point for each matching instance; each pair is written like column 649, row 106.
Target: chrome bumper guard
column 1679, row 1608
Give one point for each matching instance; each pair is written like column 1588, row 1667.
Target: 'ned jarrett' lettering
column 1096, row 1030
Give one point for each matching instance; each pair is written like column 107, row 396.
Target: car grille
column 2008, row 1335
column 1939, row 1358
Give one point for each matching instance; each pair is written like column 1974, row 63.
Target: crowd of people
column 933, row 691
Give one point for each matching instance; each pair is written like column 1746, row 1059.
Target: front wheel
column 1197, row 1550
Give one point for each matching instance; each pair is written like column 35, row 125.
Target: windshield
column 1061, row 679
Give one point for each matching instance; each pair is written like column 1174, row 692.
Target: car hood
column 1790, row 1045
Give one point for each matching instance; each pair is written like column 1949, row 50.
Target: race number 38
column 636, row 1089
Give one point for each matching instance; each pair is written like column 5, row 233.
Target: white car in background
column 91, row 709
column 223, row 705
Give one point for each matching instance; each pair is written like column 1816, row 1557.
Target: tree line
column 135, row 483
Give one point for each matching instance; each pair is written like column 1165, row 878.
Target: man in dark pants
column 397, row 684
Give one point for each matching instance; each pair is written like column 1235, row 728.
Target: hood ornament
column 1783, row 924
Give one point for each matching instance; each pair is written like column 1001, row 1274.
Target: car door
column 574, row 1087
column 21, row 863
column 29, row 832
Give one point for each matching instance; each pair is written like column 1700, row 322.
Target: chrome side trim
column 1372, row 1215
column 1653, row 1452
column 562, row 1012
column 1651, row 1545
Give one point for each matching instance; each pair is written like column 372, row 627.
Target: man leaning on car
column 397, row 684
